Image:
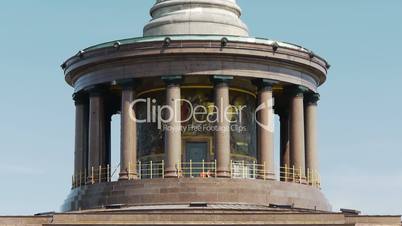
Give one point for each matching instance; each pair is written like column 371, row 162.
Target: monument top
column 198, row 17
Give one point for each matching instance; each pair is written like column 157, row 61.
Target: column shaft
column 128, row 155
column 296, row 133
column 266, row 131
column 311, row 133
column 222, row 134
column 81, row 136
column 173, row 130
column 97, row 132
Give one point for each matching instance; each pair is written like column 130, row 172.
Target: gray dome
column 202, row 17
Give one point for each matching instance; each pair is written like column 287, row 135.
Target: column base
column 127, row 176
column 223, row 174
column 171, row 174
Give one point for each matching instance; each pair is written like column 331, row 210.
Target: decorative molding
column 221, row 79
column 297, row 91
column 311, row 98
column 172, row 80
column 265, row 84
column 80, row 98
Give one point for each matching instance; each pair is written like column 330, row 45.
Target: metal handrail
column 151, row 170
column 203, row 169
column 196, row 169
column 91, row 176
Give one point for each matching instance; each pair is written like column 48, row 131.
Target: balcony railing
column 149, row 170
column 238, row 170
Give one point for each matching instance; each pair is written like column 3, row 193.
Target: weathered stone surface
column 211, row 215
column 187, row 190
column 241, row 58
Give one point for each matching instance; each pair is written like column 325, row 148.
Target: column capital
column 172, row 80
column 221, row 79
column 80, row 97
column 96, row 90
column 297, row 91
column 312, row 98
column 128, row 83
column 264, row 84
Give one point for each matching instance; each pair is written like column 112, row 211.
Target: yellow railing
column 150, row 170
column 295, row 175
column 93, row 175
column 243, row 170
column 196, row 169
column 203, row 169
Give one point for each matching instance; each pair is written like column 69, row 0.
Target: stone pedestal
column 183, row 191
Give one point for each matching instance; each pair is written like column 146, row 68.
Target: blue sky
column 359, row 114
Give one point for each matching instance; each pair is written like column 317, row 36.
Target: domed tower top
column 196, row 17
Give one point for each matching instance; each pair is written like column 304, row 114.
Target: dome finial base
column 198, row 17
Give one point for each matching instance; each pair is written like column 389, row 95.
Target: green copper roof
column 262, row 41
column 198, row 37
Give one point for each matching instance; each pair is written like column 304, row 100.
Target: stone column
column 128, row 155
column 284, row 145
column 311, row 131
column 97, row 131
column 222, row 134
column 265, row 128
column 81, row 135
column 296, row 130
column 173, row 129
